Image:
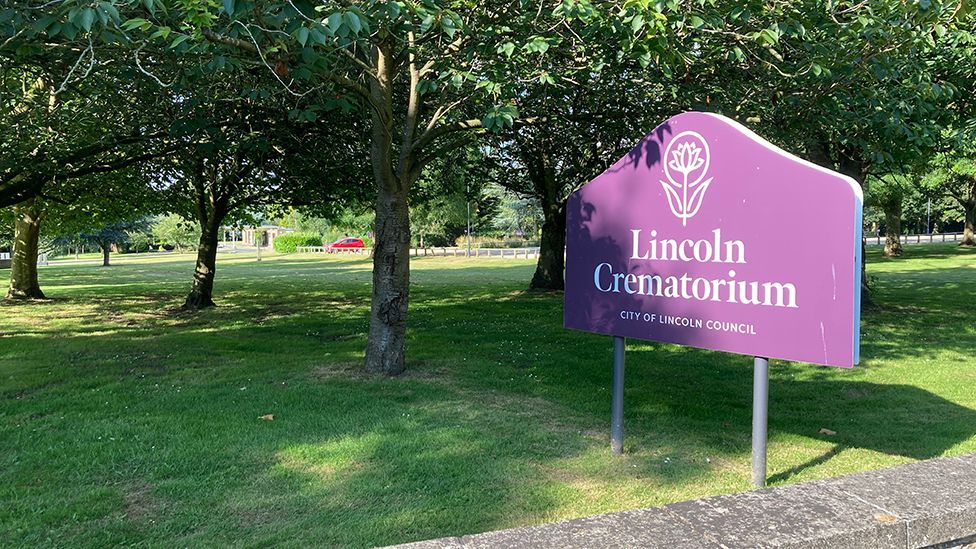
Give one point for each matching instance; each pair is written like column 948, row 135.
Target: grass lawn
column 124, row 421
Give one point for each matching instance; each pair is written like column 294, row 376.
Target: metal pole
column 617, row 404
column 760, row 414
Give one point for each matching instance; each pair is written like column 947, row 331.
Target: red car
column 346, row 245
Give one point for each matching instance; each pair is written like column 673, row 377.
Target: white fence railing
column 323, row 250
column 42, row 259
column 439, row 251
column 916, row 238
column 454, row 251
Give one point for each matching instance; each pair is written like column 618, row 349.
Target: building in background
column 247, row 236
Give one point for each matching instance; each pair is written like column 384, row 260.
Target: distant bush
column 288, row 243
column 173, row 231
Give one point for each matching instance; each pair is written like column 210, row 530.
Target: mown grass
column 125, row 421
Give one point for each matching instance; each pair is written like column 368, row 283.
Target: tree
column 23, row 260
column 245, row 155
column 858, row 87
column 427, row 74
column 551, row 161
column 114, row 234
column 889, row 192
column 517, row 214
column 955, row 177
column 668, row 62
column 72, row 102
column 84, row 205
column 450, row 191
column 73, row 105
column 175, row 231
column 220, row 176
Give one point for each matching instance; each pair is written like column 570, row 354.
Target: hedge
column 289, row 242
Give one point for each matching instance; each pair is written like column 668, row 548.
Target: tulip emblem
column 685, row 166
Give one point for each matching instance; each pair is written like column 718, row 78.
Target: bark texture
column 400, row 146
column 892, row 211
column 216, row 183
column 106, row 255
column 386, row 344
column 23, row 261
column 201, row 291
column 969, row 230
column 550, row 268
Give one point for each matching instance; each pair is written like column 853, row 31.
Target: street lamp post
column 467, row 196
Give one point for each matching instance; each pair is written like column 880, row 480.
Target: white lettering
column 685, row 286
column 631, row 278
column 636, row 242
column 596, row 276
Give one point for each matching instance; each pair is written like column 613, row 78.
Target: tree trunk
column 201, row 292
column 552, row 249
column 548, row 188
column 968, row 236
column 386, row 346
column 892, row 211
column 23, row 264
column 106, row 255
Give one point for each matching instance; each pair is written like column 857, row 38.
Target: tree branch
column 432, row 134
column 229, row 41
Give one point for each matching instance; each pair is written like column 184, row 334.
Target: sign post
column 760, row 415
column 617, row 400
column 690, row 239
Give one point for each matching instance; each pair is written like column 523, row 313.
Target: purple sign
column 707, row 235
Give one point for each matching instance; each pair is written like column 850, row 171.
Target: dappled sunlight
column 501, row 419
column 326, row 461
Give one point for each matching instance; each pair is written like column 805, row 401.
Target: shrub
column 288, row 243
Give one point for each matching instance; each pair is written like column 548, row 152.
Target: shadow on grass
column 503, row 419
column 939, row 250
column 819, row 460
column 470, row 445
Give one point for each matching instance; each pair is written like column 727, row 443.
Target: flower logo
column 685, row 167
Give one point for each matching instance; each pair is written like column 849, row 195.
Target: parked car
column 346, row 245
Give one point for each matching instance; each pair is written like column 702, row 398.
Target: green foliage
column 952, row 179
column 449, row 189
column 289, row 242
column 308, row 223
column 116, row 234
column 518, row 216
column 175, row 231
column 140, row 240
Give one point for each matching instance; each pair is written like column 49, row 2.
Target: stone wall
column 926, row 504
